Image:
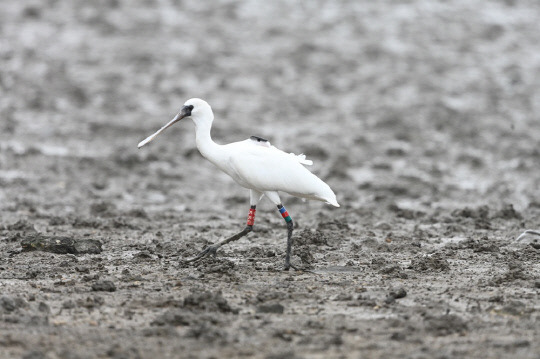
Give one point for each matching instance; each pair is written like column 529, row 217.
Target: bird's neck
column 207, row 147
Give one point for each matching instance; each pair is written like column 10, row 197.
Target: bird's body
column 256, row 165
column 265, row 168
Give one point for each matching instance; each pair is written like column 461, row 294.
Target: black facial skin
column 186, row 111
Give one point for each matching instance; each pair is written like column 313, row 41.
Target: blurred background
column 422, row 103
column 422, row 115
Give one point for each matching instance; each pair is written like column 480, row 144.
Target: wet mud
column 423, row 117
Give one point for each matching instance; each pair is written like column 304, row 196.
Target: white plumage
column 255, row 164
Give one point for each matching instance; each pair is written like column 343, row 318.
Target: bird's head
column 198, row 110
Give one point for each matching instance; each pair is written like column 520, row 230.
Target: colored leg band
column 285, row 214
column 251, row 216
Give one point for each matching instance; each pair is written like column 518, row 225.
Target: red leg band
column 251, row 217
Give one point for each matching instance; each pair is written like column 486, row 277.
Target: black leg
column 211, row 250
column 290, row 228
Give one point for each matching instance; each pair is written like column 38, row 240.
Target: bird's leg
column 290, row 228
column 213, row 248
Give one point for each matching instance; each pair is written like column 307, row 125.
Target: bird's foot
column 288, row 266
column 209, row 250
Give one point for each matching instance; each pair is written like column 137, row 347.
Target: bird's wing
column 259, row 141
column 302, row 159
column 266, row 168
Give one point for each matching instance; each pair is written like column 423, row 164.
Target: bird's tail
column 333, row 201
column 329, row 196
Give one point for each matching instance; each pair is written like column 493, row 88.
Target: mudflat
column 423, row 117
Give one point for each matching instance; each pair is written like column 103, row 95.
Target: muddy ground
column 423, row 116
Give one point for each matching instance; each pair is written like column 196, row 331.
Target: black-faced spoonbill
column 256, row 165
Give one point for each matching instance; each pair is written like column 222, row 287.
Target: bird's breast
column 226, row 166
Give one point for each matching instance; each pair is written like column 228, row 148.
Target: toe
column 287, row 266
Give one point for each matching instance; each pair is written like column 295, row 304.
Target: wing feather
column 270, row 169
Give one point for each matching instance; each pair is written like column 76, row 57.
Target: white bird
column 527, row 233
column 256, row 165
